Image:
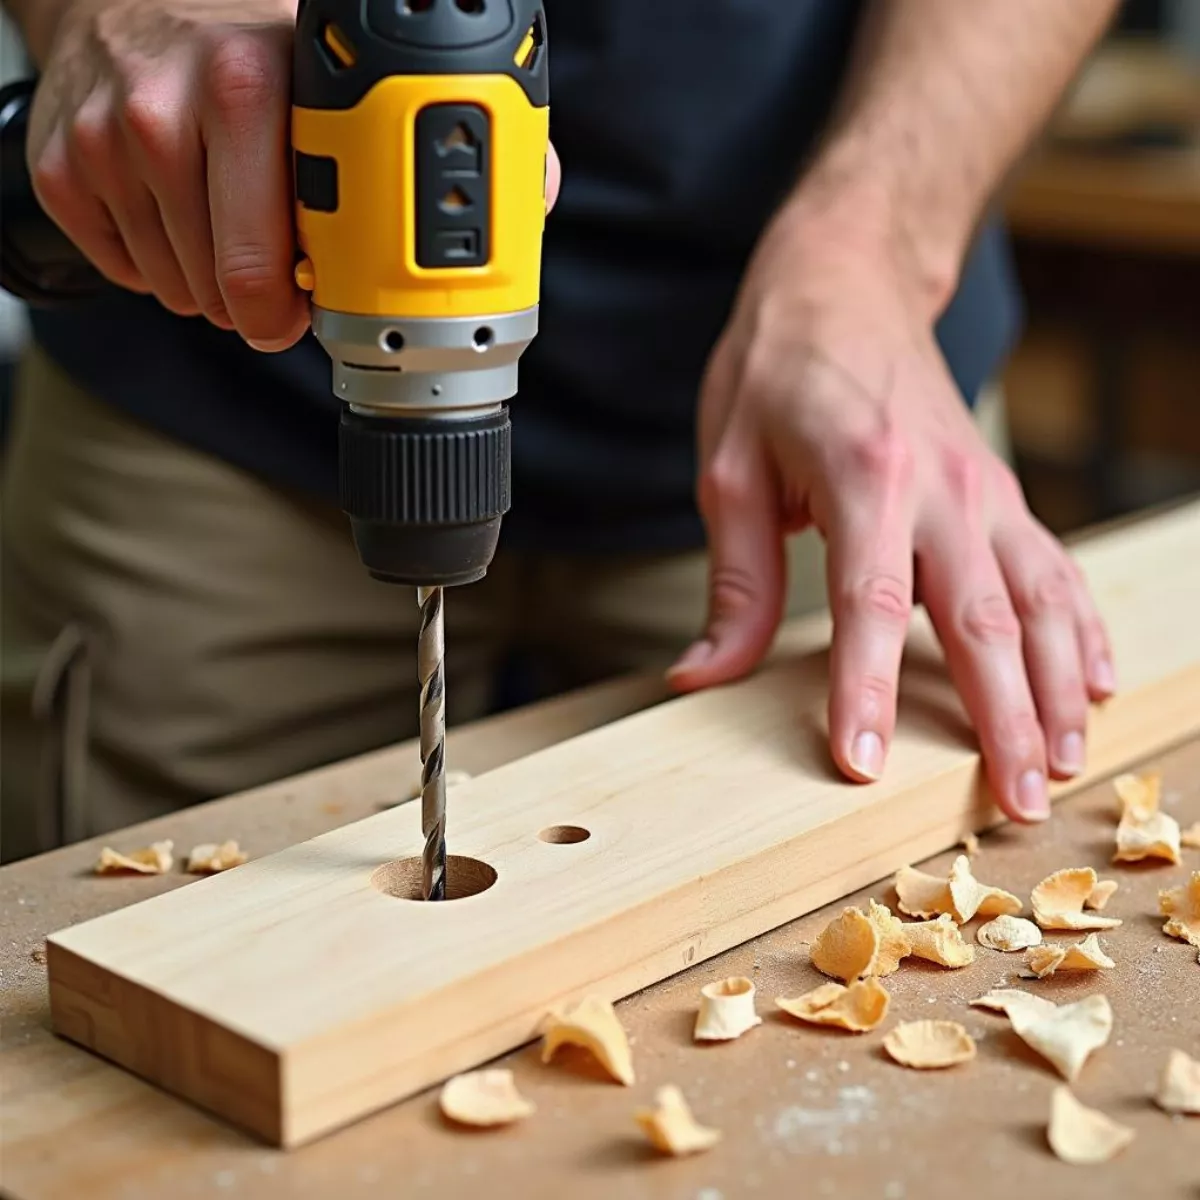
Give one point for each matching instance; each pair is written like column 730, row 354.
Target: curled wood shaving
column 484, row 1098
column 1156, row 837
column 847, row 947
column 893, row 939
column 1082, row 1136
column 726, row 1010
column 1181, row 907
column 1006, row 1000
column 1191, row 836
column 940, row 942
column 592, row 1024
column 671, row 1127
column 961, row 896
column 1059, row 899
column 971, row 845
column 1101, row 894
column 858, row 1008
column 209, row 858
column 971, row 897
column 928, row 1045
column 155, row 859
column 1082, row 956
column 1139, row 795
column 1179, row 1086
column 1066, row 1036
column 922, row 895
column 1008, row 933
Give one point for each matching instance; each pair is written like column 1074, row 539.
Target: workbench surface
column 804, row 1111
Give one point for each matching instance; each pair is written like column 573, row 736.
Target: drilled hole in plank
column 464, row 877
column 564, row 835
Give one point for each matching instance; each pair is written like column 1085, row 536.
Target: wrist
column 38, row 21
column 846, row 202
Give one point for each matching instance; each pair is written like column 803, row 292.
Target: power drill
column 419, row 135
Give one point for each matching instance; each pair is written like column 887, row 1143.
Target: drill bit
column 431, row 670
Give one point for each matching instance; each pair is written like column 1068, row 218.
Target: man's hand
column 827, row 402
column 159, row 143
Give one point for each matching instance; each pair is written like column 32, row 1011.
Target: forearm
column 942, row 98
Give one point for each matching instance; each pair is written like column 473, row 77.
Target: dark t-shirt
column 681, row 124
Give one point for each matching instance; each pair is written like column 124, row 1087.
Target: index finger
column 245, row 124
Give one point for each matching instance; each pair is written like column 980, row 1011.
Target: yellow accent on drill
column 525, row 49
column 363, row 256
column 341, row 49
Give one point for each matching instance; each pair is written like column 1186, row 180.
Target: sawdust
column 209, row 858
column 726, row 1010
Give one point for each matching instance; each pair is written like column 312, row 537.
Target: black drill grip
column 38, row 262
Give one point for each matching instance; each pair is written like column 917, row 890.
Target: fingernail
column 1032, row 798
column 695, row 655
column 1070, row 753
column 1103, row 676
column 268, row 345
column 866, row 754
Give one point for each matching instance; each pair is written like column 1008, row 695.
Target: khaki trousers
column 175, row 629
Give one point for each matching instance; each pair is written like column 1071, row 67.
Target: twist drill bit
column 431, row 670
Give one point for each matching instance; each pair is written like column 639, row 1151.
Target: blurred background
column 1103, row 392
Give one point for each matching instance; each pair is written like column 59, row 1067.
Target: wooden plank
column 712, row 818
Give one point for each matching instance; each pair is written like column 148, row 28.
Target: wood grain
column 712, row 818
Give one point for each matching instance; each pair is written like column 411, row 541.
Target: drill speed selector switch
column 420, row 134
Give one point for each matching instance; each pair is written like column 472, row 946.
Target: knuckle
column 876, row 693
column 963, row 477
column 880, row 597
column 248, row 274
column 242, row 76
column 723, row 484
column 884, row 456
column 152, row 122
column 53, row 182
column 1020, row 734
column 93, row 138
column 1049, row 594
column 990, row 620
column 732, row 590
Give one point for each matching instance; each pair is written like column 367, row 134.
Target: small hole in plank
column 564, row 835
column 464, row 877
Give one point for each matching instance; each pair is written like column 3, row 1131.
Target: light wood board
column 291, row 996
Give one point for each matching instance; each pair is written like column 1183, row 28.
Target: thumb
column 740, row 503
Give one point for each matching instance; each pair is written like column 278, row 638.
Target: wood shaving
column 1179, row 1087
column 1181, row 906
column 929, row 1045
column 38, row 954
column 1087, row 955
column 847, row 947
column 1005, row 1000
column 971, row 897
column 1008, row 933
column 961, row 896
column 940, row 942
column 671, row 1127
column 484, row 1098
column 211, row 858
column 860, row 1007
column 1082, row 1136
column 726, row 1010
column 1191, row 836
column 893, row 939
column 155, row 859
column 971, row 845
column 1066, row 1036
column 1155, row 837
column 922, row 895
column 1101, row 894
column 1139, row 795
column 1059, row 899
column 592, row 1024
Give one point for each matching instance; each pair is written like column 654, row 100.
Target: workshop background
column 1103, row 391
